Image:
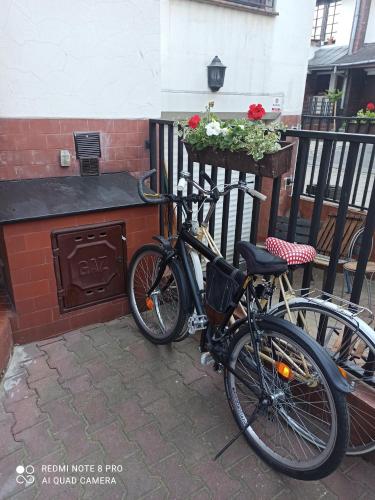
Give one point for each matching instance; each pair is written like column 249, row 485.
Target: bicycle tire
column 362, row 422
column 149, row 318
column 329, row 453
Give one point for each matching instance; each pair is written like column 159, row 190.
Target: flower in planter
column 256, row 112
column 369, row 112
column 213, row 128
column 250, row 135
column 194, row 121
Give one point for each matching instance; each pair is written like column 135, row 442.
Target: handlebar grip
column 154, row 199
column 181, row 184
column 257, row 194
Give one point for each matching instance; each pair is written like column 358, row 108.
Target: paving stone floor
column 103, row 396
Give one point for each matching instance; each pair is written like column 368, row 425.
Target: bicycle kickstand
column 249, row 422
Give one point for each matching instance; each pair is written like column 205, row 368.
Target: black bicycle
column 286, row 394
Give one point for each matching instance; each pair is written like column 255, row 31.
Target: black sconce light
column 216, row 73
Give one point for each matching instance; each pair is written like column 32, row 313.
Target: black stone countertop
column 33, row 199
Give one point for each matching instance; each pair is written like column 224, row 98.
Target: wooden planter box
column 359, row 127
column 271, row 165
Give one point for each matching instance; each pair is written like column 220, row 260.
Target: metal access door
column 89, row 264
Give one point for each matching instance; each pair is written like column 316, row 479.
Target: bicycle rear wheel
column 351, row 344
column 161, row 316
column 303, row 432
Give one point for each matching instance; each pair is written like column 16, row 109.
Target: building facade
column 90, row 65
column 107, row 67
column 342, row 56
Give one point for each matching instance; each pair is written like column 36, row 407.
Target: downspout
column 354, row 26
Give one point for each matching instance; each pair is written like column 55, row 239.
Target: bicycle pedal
column 197, row 322
column 207, row 359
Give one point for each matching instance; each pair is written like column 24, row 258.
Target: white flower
column 242, row 127
column 225, row 131
column 213, row 128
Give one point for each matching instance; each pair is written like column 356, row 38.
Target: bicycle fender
column 356, row 321
column 268, row 322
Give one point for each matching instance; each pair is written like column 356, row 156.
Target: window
column 325, row 20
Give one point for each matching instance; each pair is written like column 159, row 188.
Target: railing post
column 318, row 204
column 153, row 161
column 180, row 161
column 364, row 252
column 211, row 224
column 255, row 211
column 341, row 216
column 162, row 186
column 239, row 219
column 274, row 206
column 170, row 178
column 225, row 217
column 299, row 178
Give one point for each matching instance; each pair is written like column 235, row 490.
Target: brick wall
column 29, row 253
column 31, row 147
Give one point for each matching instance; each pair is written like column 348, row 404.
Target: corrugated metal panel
column 327, row 56
column 363, row 55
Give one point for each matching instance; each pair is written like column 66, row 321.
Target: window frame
column 325, row 20
column 246, row 5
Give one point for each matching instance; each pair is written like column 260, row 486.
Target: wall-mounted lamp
column 216, row 73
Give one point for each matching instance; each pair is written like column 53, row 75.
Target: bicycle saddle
column 260, row 261
column 293, row 253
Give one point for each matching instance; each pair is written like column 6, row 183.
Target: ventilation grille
column 89, row 166
column 87, row 144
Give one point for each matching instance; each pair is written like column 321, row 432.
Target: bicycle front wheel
column 160, row 316
column 303, row 431
column 351, row 344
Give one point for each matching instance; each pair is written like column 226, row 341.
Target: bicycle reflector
column 149, row 303
column 284, row 370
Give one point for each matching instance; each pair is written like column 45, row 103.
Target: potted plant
column 334, row 97
column 249, row 144
column 367, row 124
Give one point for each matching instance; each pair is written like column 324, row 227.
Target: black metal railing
column 348, row 124
column 355, row 143
column 363, row 175
column 167, row 155
column 318, row 106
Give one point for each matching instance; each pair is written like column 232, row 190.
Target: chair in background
column 353, row 224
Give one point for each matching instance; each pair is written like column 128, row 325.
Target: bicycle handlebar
column 256, row 194
column 155, row 199
column 159, row 199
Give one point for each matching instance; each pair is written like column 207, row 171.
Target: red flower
column 256, row 112
column 194, row 121
column 370, row 106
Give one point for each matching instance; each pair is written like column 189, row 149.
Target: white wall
column 370, row 32
column 80, row 58
column 345, row 21
column 265, row 56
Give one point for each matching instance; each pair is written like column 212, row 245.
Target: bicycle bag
column 223, row 283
